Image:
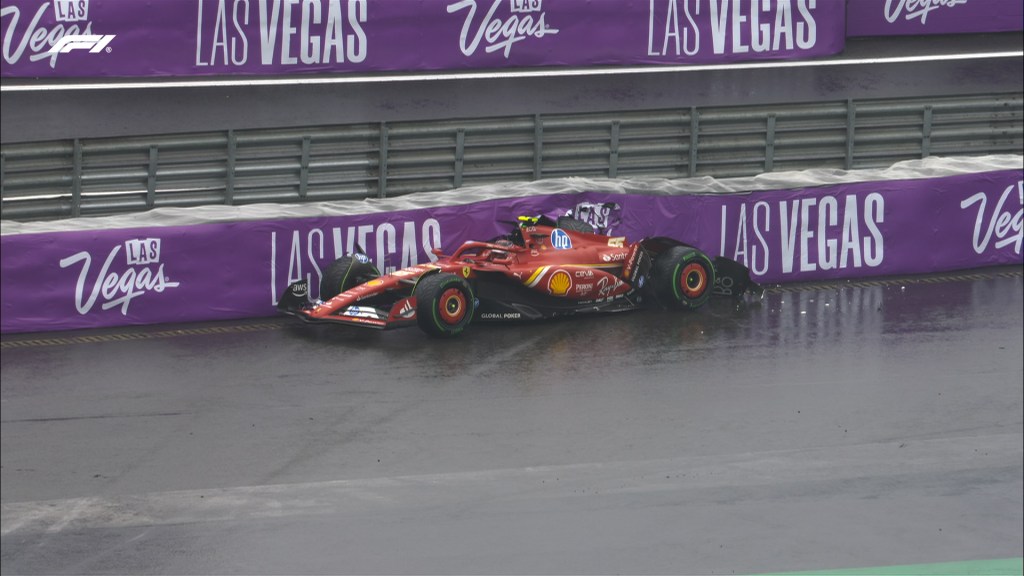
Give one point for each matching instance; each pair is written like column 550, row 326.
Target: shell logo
column 560, row 283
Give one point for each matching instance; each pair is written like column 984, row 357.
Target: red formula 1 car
column 542, row 269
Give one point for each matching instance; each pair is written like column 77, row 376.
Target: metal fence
column 68, row 178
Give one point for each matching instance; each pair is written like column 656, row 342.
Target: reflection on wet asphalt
column 824, row 426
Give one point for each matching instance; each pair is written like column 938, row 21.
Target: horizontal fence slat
column 346, row 162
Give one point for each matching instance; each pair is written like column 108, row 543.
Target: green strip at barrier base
column 1003, row 567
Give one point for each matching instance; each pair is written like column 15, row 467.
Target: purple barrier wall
column 916, row 17
column 66, row 280
column 202, row 37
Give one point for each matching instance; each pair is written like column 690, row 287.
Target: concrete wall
column 869, row 68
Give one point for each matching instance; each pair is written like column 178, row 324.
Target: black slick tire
column 682, row 278
column 444, row 305
column 344, row 273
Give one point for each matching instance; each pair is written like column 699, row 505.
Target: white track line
column 490, row 75
column 655, row 479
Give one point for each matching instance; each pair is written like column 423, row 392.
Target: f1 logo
column 94, row 43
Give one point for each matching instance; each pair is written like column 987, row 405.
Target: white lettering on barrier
column 828, row 233
column 119, row 289
column 71, row 10
column 94, row 43
column 754, row 256
column 772, row 25
column 855, row 250
column 225, row 41
column 1003, row 224
column 41, row 43
column 501, row 34
column 307, row 252
column 689, row 44
column 916, row 8
column 336, row 37
column 604, row 216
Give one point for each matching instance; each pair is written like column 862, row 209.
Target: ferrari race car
column 544, row 268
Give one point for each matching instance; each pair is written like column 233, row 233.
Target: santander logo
column 526, row 19
column 111, row 288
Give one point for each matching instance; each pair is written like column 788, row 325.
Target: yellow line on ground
column 838, row 284
column 133, row 336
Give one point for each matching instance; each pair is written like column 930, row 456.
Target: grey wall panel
column 976, row 64
column 112, row 175
column 113, row 147
column 35, row 116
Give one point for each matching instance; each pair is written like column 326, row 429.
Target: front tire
column 344, row 273
column 444, row 305
column 683, row 278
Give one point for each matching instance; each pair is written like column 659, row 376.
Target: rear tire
column 682, row 278
column 444, row 305
column 344, row 273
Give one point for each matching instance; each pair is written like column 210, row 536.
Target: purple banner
column 66, row 280
column 916, row 17
column 129, row 38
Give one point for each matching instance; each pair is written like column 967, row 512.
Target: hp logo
column 560, row 240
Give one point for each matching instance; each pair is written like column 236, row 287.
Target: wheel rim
column 452, row 306
column 693, row 280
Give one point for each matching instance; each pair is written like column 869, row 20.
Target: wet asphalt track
column 824, row 427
